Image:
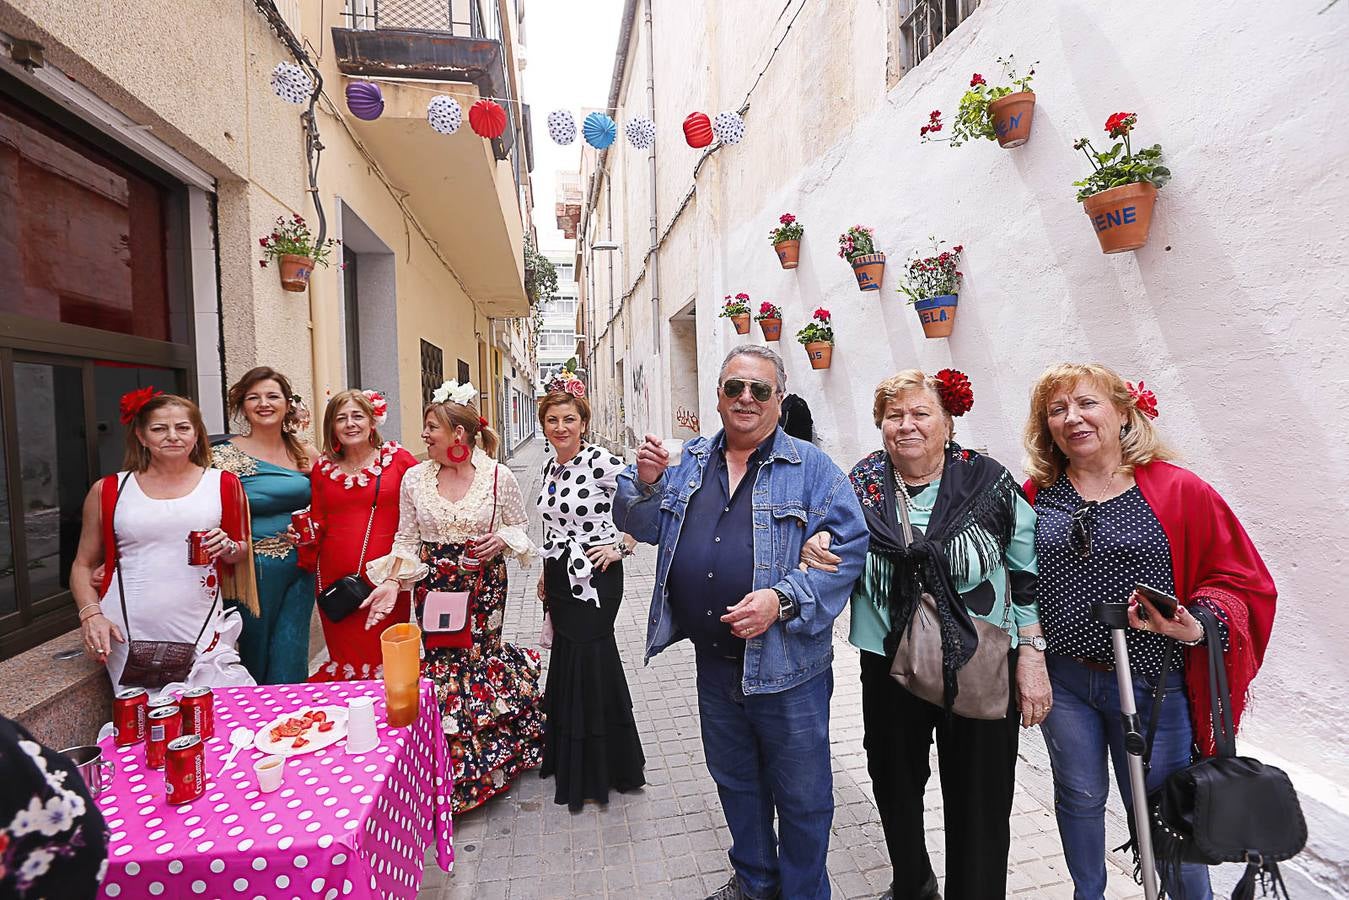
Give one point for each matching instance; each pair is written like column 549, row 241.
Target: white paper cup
column 674, row 447
column 269, row 771
column 362, row 734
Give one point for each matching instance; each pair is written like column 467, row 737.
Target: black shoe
column 729, row 891
column 927, row 892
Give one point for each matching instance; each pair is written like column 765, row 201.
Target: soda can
column 198, row 706
column 303, row 523
column 161, row 701
column 468, row 563
column 130, row 713
column 166, row 723
column 185, row 769
column 196, row 549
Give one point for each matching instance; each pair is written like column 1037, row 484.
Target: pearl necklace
column 908, row 499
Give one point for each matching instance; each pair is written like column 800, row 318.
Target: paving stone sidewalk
column 670, row 840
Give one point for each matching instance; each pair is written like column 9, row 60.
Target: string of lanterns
column 488, row 118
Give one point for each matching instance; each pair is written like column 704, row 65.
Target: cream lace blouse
column 426, row 516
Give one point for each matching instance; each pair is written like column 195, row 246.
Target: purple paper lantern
column 365, row 100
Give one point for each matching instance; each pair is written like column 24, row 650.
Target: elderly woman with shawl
column 1112, row 514
column 972, row 550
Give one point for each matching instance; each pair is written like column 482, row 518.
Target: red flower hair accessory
column 482, row 423
column 955, row 392
column 1144, row 399
column 134, row 401
column 379, row 405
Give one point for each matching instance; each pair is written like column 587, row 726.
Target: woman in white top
column 135, row 532
column 489, row 690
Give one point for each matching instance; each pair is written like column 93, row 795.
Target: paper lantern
column 291, row 83
column 487, row 119
column 599, row 130
column 561, row 127
column 444, row 114
column 641, row 132
column 698, row 130
column 728, row 127
column 365, row 100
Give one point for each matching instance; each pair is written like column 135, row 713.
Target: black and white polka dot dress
column 576, row 500
column 1128, row 547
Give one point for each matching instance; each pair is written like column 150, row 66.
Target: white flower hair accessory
column 379, row 405
column 454, row 392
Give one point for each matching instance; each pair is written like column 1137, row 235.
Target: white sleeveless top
column 167, row 599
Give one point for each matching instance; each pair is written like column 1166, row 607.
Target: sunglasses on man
column 759, row 390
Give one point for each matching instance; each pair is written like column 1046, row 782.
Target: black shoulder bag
column 153, row 664
column 1225, row 808
column 345, row 595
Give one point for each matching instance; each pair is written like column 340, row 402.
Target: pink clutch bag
column 445, row 611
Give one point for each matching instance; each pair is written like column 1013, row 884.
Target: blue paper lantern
column 365, row 100
column 599, row 130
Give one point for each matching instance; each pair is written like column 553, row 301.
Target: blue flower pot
column 938, row 314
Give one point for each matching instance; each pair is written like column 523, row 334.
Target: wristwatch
column 1037, row 642
column 787, row 607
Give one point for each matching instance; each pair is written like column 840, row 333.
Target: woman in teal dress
column 273, row 463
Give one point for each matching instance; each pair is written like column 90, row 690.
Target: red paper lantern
column 487, row 119
column 698, row 130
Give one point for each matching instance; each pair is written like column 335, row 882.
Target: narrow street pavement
column 670, row 840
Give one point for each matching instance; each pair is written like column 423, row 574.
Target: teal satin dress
column 274, row 646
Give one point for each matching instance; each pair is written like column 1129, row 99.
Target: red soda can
column 166, row 723
column 161, row 701
column 303, row 523
column 468, row 563
column 198, row 706
column 196, row 549
column 185, row 769
column 130, row 712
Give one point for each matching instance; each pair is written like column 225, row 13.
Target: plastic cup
column 362, row 733
column 269, row 771
column 674, row 447
column 401, row 645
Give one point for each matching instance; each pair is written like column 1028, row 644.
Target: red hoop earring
column 462, row 456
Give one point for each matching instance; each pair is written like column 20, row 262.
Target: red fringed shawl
column 1212, row 558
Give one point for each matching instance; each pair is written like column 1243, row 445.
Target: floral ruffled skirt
column 489, row 692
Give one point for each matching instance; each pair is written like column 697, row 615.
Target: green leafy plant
column 788, row 229
column 540, row 275
column 1120, row 164
column 292, row 237
column 932, row 276
column 819, row 329
column 735, row 306
column 859, row 240
column 972, row 121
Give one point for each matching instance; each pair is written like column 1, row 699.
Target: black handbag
column 345, row 595
column 152, row 664
column 1225, row 808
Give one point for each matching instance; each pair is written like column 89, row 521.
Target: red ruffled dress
column 341, row 508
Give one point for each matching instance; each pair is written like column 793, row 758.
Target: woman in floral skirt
column 489, row 691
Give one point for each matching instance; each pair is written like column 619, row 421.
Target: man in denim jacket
column 729, row 519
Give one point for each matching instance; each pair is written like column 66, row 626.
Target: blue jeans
column 1082, row 726
column 770, row 752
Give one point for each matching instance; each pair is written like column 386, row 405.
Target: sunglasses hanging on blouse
column 1081, row 531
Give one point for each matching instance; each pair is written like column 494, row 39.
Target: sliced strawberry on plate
column 298, row 743
column 326, row 726
column 320, row 716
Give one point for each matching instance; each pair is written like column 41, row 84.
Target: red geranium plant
column 735, row 306
column 292, row 237
column 973, row 120
column 859, row 240
column 1120, row 165
column 819, row 329
column 933, row 276
column 788, row 229
column 767, row 311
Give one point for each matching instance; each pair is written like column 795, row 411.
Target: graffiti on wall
column 687, row 418
column 641, row 397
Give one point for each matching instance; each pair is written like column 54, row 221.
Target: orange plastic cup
column 401, row 646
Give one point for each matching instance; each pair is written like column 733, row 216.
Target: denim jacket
column 797, row 492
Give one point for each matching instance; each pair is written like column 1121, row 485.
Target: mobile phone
column 1165, row 603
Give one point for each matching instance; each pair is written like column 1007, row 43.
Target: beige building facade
column 143, row 153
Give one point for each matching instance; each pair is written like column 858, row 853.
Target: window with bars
column 433, row 369
column 923, row 24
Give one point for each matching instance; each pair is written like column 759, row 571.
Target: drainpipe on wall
column 651, row 167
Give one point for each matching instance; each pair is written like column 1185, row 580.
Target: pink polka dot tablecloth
column 340, row 826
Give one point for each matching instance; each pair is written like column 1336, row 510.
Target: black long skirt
column 590, row 738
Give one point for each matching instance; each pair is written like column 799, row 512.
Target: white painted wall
column 1233, row 313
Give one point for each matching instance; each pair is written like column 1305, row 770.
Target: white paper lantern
column 640, row 131
column 291, row 83
column 561, row 126
column 728, row 127
column 444, row 114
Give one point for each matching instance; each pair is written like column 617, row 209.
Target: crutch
column 1115, row 616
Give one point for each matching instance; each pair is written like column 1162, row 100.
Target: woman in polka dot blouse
column 590, row 743
column 1111, row 514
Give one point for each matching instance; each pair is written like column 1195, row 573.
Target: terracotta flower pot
column 295, row 272
column 789, row 253
column 1122, row 215
column 741, row 323
column 937, row 314
column 772, row 329
column 1011, row 117
column 821, row 353
column 869, row 270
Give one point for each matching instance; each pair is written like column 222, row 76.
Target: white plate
column 317, row 739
